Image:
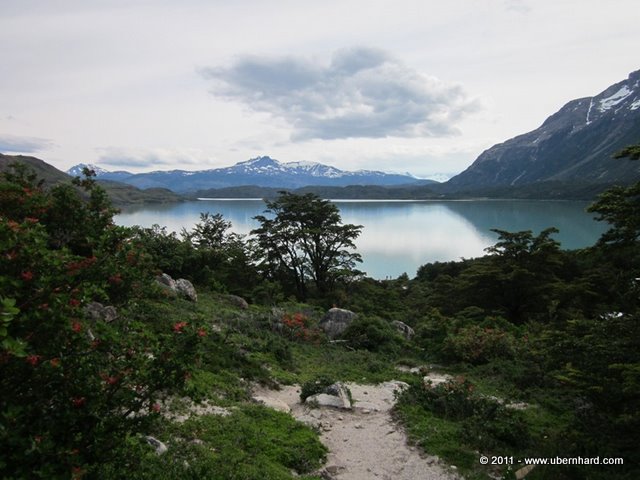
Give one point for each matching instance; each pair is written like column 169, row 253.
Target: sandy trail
column 364, row 443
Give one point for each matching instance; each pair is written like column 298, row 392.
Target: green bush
column 476, row 345
column 373, row 334
column 486, row 423
column 315, row 386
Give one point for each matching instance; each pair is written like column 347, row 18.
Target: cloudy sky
column 407, row 86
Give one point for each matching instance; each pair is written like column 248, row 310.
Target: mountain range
column 261, row 171
column 573, row 146
column 568, row 156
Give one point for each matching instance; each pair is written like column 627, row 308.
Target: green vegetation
column 543, row 345
column 306, row 240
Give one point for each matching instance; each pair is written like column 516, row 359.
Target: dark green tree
column 518, row 278
column 212, row 231
column 620, row 207
column 303, row 238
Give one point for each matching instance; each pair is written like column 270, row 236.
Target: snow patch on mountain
column 615, row 99
column 76, row 170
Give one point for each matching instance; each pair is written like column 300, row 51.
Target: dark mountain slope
column 575, row 145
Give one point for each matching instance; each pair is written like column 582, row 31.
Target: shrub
column 299, row 326
column 73, row 389
column 315, row 386
column 475, row 344
column 486, row 423
column 373, row 334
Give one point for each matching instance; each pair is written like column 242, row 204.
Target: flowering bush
column 299, row 327
column 74, row 388
column 477, row 345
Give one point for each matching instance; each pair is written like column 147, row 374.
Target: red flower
column 34, row 359
column 27, row 275
column 74, row 302
column 76, row 326
column 15, row 226
column 78, row 401
column 155, row 407
column 132, row 258
column 177, row 328
column 202, row 332
column 77, row 473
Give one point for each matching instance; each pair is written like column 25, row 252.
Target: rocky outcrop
column 237, row 301
column 180, row 287
column 336, row 395
column 336, row 321
column 166, row 282
column 185, row 288
column 160, row 447
column 404, row 329
column 97, row 312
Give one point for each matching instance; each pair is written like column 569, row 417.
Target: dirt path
column 364, row 443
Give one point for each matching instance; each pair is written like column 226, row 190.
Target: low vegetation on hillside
column 543, row 345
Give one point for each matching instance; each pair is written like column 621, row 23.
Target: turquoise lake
column 400, row 236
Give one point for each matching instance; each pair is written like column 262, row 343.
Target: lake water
column 400, row 236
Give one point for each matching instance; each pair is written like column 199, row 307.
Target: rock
column 160, row 447
column 186, row 289
column 395, row 385
column 524, row 471
column 237, row 301
column 335, row 321
column 404, row 329
column 165, row 280
column 434, row 379
column 273, row 403
column 98, row 312
column 180, row 287
column 334, row 469
column 335, row 396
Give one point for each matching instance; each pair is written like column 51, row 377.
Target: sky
column 401, row 86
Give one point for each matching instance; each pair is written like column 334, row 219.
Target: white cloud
column 361, row 93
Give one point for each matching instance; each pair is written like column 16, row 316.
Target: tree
column 303, row 239
column 210, row 232
column 519, row 276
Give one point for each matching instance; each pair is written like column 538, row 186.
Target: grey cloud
column 518, row 6
column 19, row 144
column 362, row 93
column 119, row 158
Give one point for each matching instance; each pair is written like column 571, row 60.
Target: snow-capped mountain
column 118, row 176
column 76, row 170
column 576, row 144
column 261, row 171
